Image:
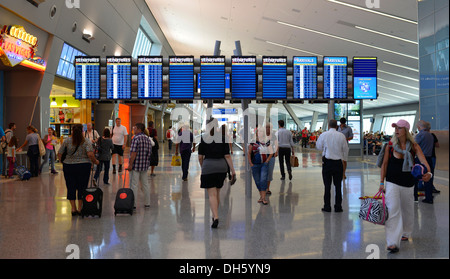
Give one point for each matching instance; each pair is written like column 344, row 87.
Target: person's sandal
column 393, row 249
column 404, row 238
column 265, row 202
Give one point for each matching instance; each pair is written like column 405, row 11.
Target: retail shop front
column 21, row 72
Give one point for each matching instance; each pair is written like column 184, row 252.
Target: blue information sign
column 365, row 78
column 274, row 78
column 150, row 77
column 243, row 77
column 87, row 78
column 212, row 70
column 305, row 77
column 181, row 77
column 118, row 78
column 335, row 77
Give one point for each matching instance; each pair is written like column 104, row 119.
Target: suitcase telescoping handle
column 91, row 177
column 124, row 177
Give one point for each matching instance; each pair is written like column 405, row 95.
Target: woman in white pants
column 396, row 169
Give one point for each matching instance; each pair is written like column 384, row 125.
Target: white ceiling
column 193, row 26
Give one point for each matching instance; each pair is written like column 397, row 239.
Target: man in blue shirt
column 426, row 142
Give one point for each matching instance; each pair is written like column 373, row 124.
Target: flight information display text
column 335, row 77
column 181, row 77
column 118, row 78
column 305, row 77
column 212, row 74
column 365, row 78
column 150, row 77
column 87, row 78
column 274, row 77
column 243, row 77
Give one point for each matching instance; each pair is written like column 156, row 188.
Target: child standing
column 105, row 146
column 11, row 155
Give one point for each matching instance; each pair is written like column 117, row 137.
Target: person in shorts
column 119, row 140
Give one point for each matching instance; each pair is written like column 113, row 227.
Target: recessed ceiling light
column 293, row 48
column 345, row 39
column 397, row 75
column 387, row 35
column 399, row 91
column 374, row 11
column 401, row 66
column 395, row 96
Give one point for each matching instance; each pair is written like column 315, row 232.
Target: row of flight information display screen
column 213, row 81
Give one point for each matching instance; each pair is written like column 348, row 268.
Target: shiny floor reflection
column 36, row 220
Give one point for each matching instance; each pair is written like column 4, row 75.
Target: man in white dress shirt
column 334, row 149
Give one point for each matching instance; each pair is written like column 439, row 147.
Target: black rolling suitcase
column 124, row 200
column 92, row 200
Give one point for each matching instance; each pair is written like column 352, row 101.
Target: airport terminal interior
column 247, row 64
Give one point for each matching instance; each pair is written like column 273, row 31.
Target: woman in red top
column 312, row 140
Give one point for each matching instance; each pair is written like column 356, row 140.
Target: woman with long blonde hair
column 398, row 162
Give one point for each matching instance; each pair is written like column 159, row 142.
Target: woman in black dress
column 214, row 157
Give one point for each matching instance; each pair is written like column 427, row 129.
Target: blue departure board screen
column 365, row 78
column 87, row 78
column 212, row 72
column 335, row 77
column 118, row 78
column 274, row 78
column 243, row 77
column 150, row 77
column 181, row 77
column 305, row 77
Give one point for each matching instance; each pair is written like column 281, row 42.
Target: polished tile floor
column 35, row 219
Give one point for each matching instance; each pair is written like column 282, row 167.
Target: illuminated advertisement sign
column 365, row 77
column 16, row 45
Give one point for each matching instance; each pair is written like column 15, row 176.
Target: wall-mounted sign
column 16, row 45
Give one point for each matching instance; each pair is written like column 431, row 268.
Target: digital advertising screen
column 118, row 78
column 150, row 77
column 304, row 77
column 243, row 77
column 274, row 77
column 181, row 77
column 365, row 78
column 212, row 77
column 335, row 77
column 87, row 78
